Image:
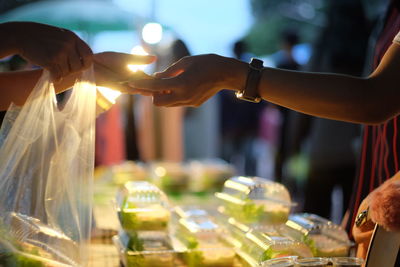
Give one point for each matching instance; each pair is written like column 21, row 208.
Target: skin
column 58, row 50
column 193, row 80
column 110, row 71
column 64, row 55
column 362, row 235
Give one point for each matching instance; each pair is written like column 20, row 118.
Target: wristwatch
column 250, row 91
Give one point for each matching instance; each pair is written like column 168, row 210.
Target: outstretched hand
column 192, row 80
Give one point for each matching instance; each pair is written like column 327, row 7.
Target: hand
column 382, row 206
column 362, row 234
column 58, row 50
column 111, row 69
column 193, row 80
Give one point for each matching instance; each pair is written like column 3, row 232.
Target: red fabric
column 379, row 154
column 110, row 141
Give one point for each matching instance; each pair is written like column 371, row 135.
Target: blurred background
column 256, row 139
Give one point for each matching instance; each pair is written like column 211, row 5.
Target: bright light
column 137, row 50
column 110, row 94
column 152, row 33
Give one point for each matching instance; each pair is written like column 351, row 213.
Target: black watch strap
column 250, row 91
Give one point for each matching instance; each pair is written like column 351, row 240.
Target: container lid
column 242, row 188
column 311, row 224
column 141, row 192
column 185, row 212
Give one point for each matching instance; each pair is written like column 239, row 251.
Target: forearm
column 16, row 86
column 332, row 96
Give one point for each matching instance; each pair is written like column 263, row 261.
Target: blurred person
column 371, row 100
column 239, row 124
column 160, row 130
column 284, row 59
column 330, row 144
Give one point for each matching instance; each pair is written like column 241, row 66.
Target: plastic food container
column 27, row 241
column 311, row 262
column 148, row 253
column 129, row 171
column 280, row 262
column 255, row 247
column 324, row 238
column 200, row 236
column 142, row 206
column 209, row 175
column 171, row 177
column 261, row 247
column 346, row 261
column 255, row 200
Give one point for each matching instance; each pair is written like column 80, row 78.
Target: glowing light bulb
column 152, row 33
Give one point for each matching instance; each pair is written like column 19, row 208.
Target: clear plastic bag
column 46, row 175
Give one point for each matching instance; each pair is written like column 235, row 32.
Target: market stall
column 201, row 214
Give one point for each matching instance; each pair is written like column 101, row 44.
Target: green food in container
column 171, row 177
column 254, row 200
column 323, row 237
column 142, row 206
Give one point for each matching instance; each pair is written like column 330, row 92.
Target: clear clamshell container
column 145, row 252
column 27, row 241
column 200, row 235
column 324, row 238
column 255, row 247
column 190, row 211
column 346, row 262
column 280, row 262
column 311, row 262
column 261, row 247
column 142, row 206
column 255, row 200
column 129, row 171
column 171, row 177
column 209, row 175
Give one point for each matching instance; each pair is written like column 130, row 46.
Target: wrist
column 235, row 74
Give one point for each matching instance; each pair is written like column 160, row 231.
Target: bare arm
column 374, row 99
column 110, row 70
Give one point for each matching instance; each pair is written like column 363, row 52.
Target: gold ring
column 362, row 217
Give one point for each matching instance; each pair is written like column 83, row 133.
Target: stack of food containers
column 254, row 207
column 144, row 215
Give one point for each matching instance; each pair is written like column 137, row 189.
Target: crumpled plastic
column 46, row 176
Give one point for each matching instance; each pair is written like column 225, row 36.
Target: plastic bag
column 46, row 175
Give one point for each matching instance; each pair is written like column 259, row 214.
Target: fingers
column 55, row 72
column 174, row 70
column 141, row 59
column 155, row 85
